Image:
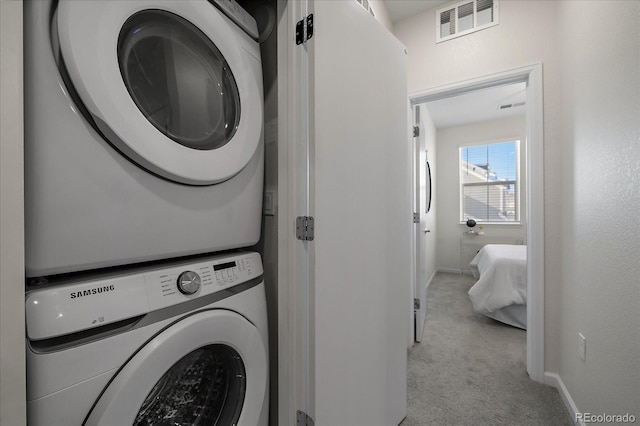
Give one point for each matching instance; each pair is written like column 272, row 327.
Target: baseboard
column 455, row 271
column 432, row 277
column 553, row 379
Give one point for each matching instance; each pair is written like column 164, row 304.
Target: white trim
column 532, row 75
column 535, row 223
column 553, row 379
column 13, row 404
column 489, row 142
column 432, row 277
column 286, row 373
column 293, row 358
column 455, row 271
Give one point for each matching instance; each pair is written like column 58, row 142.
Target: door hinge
column 303, row 419
column 304, row 228
column 416, row 131
column 416, row 304
column 416, row 218
column 304, row 29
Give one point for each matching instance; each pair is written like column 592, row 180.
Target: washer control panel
column 175, row 285
column 80, row 305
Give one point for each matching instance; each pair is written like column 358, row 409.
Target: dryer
column 143, row 131
column 182, row 343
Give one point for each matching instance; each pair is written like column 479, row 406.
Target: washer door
column 170, row 84
column 207, row 369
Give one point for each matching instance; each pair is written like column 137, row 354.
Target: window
column 465, row 17
column 489, row 182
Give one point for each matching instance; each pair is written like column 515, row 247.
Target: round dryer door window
column 179, row 79
column 175, row 86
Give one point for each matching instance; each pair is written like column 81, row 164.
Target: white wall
column 592, row 164
column 12, row 357
column 526, row 35
column 600, row 184
column 455, row 250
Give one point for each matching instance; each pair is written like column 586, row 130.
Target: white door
column 359, row 168
column 171, row 84
column 421, row 201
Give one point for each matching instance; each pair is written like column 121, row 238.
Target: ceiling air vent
column 367, row 6
column 464, row 18
column 507, row 106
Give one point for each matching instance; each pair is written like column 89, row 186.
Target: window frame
column 517, row 183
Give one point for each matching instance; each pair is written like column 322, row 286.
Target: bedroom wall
column 455, row 250
column 527, row 34
column 600, row 238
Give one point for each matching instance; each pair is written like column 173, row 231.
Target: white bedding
column 502, row 271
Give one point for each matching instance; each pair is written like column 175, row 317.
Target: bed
column 501, row 290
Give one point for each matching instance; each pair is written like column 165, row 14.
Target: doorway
column 531, row 76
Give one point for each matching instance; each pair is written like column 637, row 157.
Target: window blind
column 489, row 182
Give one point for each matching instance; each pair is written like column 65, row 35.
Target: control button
column 188, row 282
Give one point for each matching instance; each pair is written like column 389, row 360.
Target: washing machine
column 183, row 343
column 143, row 131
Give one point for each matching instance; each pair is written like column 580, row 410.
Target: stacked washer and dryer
column 144, row 174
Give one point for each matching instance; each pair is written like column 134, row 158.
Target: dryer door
column 176, row 86
column 209, row 368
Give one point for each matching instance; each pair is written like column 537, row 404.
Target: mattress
column 501, row 289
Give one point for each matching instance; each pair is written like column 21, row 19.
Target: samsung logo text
column 92, row 291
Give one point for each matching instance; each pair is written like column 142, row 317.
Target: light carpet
column 471, row 370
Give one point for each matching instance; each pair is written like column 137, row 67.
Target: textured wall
column 526, row 35
column 600, row 183
column 592, row 164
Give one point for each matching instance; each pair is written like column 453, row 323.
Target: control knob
column 188, row 282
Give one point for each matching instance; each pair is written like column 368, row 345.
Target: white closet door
column 361, row 198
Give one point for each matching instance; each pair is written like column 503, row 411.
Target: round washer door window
column 208, row 368
column 206, row 386
column 178, row 79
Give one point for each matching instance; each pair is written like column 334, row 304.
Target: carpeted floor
column 471, row 370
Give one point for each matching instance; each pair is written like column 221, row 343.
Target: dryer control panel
column 79, row 305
